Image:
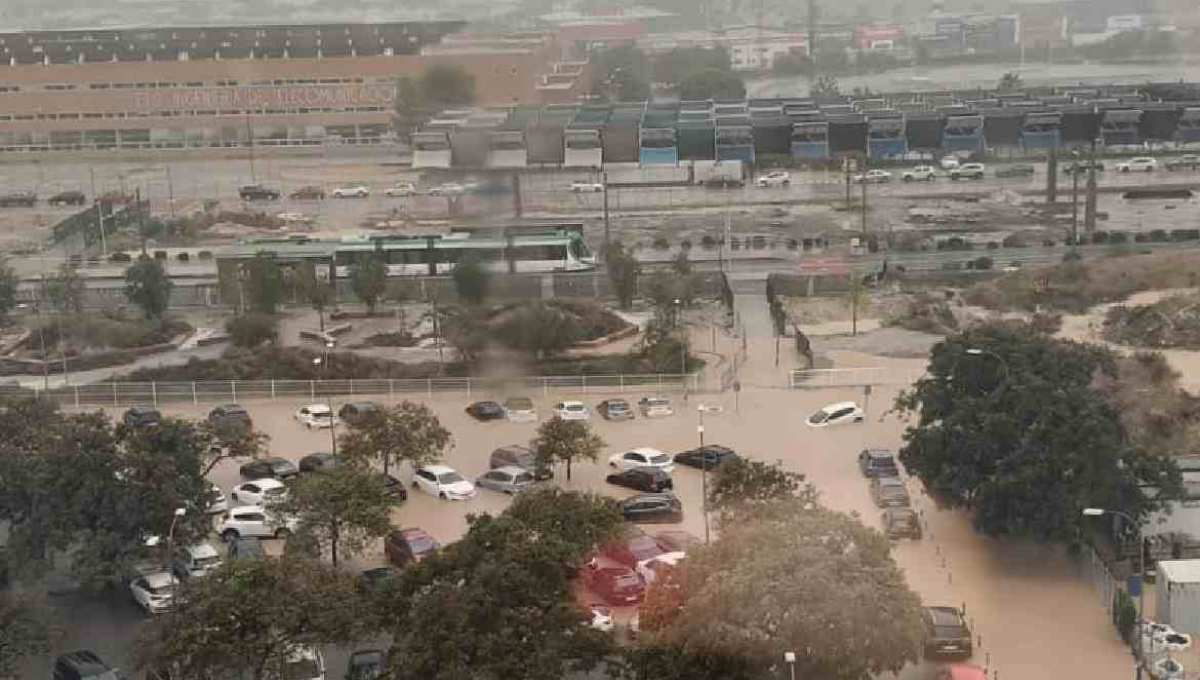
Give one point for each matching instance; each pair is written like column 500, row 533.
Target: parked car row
column 28, row 199
column 522, row 409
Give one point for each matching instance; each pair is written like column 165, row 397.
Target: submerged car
column 889, row 492
column 615, row 409
column 901, row 523
column 836, row 414
column 316, row 416
column 520, row 410
column 1016, row 171
column 571, row 410
column 707, row 457
column 486, row 410
column 509, row 479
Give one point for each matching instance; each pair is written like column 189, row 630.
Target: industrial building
column 225, row 86
column 652, row 133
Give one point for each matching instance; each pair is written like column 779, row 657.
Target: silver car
column 509, row 479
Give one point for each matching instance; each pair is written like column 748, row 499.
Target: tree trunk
column 386, row 461
column 333, row 543
column 321, row 317
column 568, row 469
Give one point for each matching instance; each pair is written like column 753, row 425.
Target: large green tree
column 566, row 441
column 248, row 617
column 675, row 65
column 498, row 603
column 65, row 289
column 24, row 631
column 8, row 289
column 623, row 271
column 444, row 85
column 1012, row 425
column 742, row 486
column 368, row 280
column 471, row 281
column 408, row 432
column 344, row 508
column 148, row 286
column 800, row 579
column 543, row 330
column 620, row 74
column 711, row 83
column 262, row 284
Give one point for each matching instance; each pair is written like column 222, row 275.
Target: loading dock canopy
column 964, row 125
column 810, row 132
column 735, row 136
column 885, row 127
column 1122, row 119
column 1043, row 121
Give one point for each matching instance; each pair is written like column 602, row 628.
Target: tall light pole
column 790, row 658
column 977, row 352
column 703, row 470
column 1097, row 512
column 332, row 415
column 179, row 512
column 1075, row 200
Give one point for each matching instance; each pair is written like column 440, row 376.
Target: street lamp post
column 703, row 470
column 682, row 346
column 790, row 658
column 179, row 512
column 977, row 352
column 332, row 415
column 1097, row 512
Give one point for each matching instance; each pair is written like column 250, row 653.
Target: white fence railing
column 156, row 393
column 819, row 378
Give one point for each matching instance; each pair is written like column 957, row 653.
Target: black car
column 23, row 198
column 67, row 198
column 319, row 461
column 1016, row 171
column 652, row 507
column 268, row 467
column 353, row 412
column 1082, row 166
column 365, row 664
column 709, row 456
column 649, row 479
column 615, row 409
column 370, row 579
column 257, row 192
column 138, row 416
column 308, row 193
column 486, row 410
column 395, row 487
column 229, row 413
column 946, row 633
column 84, row 665
column 246, row 548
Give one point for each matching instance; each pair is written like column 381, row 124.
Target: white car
column 642, row 457
column 254, row 521
column 448, row 189
column 1139, row 164
column 572, row 410
column 874, row 177
column 304, row 663
column 602, row 618
column 316, row 416
column 836, row 414
column 774, row 179
column 587, row 187
column 520, row 410
column 444, row 482
column 259, row 492
column 648, row 569
column 196, row 561
column 403, row 189
column 216, row 501
column 154, row 592
column 968, row 171
column 655, row 407
column 921, row 172
column 355, row 191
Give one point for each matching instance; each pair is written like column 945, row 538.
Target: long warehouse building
column 276, row 85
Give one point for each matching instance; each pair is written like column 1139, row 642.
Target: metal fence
column 820, row 378
column 156, row 393
column 1099, row 576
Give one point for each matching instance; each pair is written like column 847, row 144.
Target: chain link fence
column 160, row 393
column 821, row 378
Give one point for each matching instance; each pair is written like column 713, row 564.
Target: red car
column 617, row 584
column 633, row 547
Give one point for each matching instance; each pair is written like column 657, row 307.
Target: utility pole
column 865, row 165
column 250, row 140
column 1075, row 202
column 847, row 167
column 812, row 36
column 141, row 216
column 1052, row 176
column 1089, row 206
column 170, row 191
column 604, row 190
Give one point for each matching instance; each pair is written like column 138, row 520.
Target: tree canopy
column 743, row 486
column 497, row 603
column 343, row 508
column 148, row 286
column 24, row 631
column 541, row 329
column 802, row 579
column 368, row 280
column 65, row 289
column 8, row 289
column 250, row 615
column 443, row 85
column 566, row 441
column 825, row 87
column 620, row 74
column 674, row 66
column 1026, row 431
column 711, row 83
column 407, row 432
column 262, row 284
column 471, row 280
column 623, row 270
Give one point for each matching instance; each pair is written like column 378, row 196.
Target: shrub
column 707, row 242
column 685, row 244
column 120, row 257
column 1013, row 241
column 1141, row 237
column 660, row 243
column 205, row 255
column 288, row 363
column 759, row 242
column 160, row 254
column 1185, row 234
column 1118, row 237
column 252, row 330
column 1124, row 614
column 1049, row 243
column 1100, row 237
column 1158, row 236
column 183, row 257
column 793, row 244
column 1072, row 256
column 982, row 263
column 992, row 245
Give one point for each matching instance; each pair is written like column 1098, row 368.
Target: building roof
column 1180, row 571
